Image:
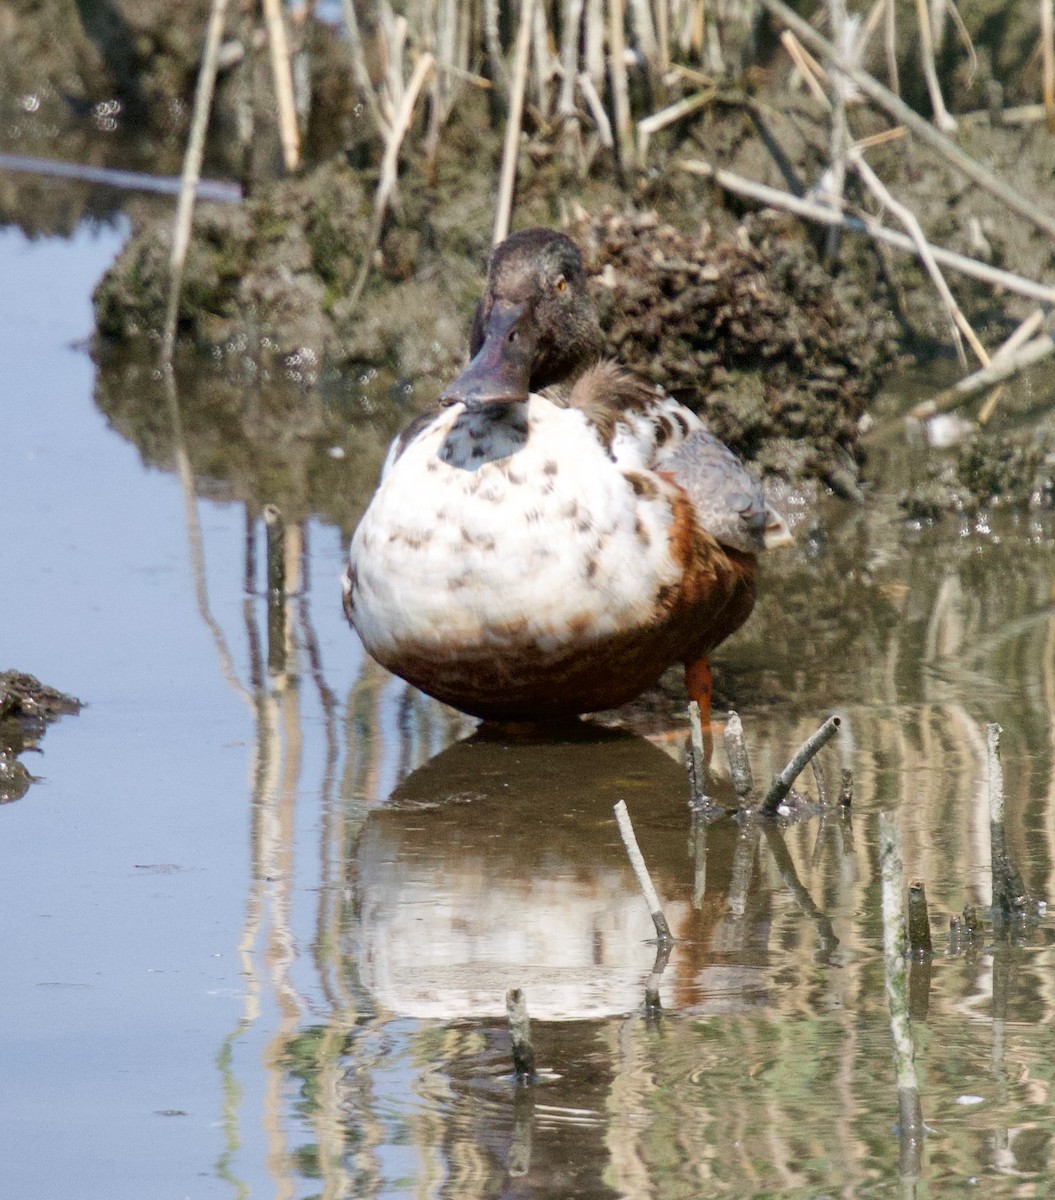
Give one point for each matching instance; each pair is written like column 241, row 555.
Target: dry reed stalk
column 663, row 36
column 282, row 72
column 1047, row 51
column 493, row 42
column 192, row 159
column 781, row 786
column 908, row 218
column 600, row 117
column 511, row 148
column 1032, row 352
column 923, row 129
column 739, row 760
column 840, row 132
column 360, row 71
column 569, row 60
column 942, row 117
column 667, row 116
column 1018, row 338
column 594, row 38
column 863, row 223
column 389, row 164
column 624, row 132
column 890, row 46
column 807, row 66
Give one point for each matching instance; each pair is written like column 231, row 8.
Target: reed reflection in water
column 446, row 866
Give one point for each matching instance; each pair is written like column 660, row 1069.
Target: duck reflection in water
column 498, row 864
column 556, row 533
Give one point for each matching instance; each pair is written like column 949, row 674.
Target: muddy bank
column 27, row 707
column 780, row 338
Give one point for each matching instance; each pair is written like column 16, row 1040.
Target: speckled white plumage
column 481, row 536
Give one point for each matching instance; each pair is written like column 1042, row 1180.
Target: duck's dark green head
column 535, row 326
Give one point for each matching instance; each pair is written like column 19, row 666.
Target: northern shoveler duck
column 556, row 533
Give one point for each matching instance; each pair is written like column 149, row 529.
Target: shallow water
column 263, row 906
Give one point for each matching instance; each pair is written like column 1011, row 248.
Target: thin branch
column 389, row 164
column 926, row 48
column 739, row 761
column 1030, row 354
column 781, row 786
column 811, row 210
column 644, row 880
column 907, row 218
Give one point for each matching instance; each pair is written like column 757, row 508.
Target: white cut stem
column 644, row 880
column 942, row 117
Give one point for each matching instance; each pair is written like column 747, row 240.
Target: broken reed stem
column 824, row 215
column 781, row 786
column 918, row 920
column 739, row 760
column 192, row 160
column 620, row 87
column 1031, row 353
column 901, row 112
column 942, row 117
column 282, row 72
column 511, row 148
column 520, row 1036
column 389, row 164
column 644, row 880
column 896, row 975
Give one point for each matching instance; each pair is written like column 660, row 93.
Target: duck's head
column 535, row 326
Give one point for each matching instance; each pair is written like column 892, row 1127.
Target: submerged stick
column 825, row 215
column 511, row 147
column 918, row 920
column 1009, row 894
column 739, row 762
column 781, row 786
column 520, row 1036
column 901, row 112
column 192, row 160
column 894, row 943
column 644, row 880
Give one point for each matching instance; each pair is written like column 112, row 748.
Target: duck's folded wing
column 727, row 499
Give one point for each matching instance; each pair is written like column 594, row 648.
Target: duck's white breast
column 483, row 534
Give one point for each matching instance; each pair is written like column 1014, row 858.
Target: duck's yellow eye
column 561, row 284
